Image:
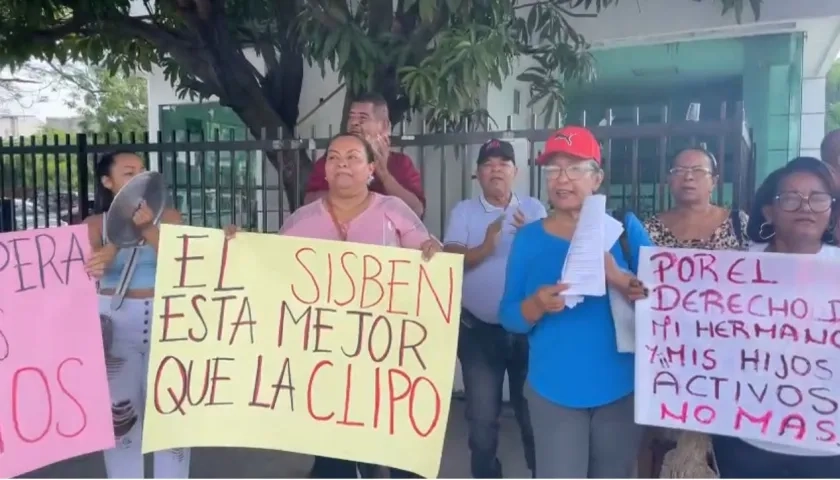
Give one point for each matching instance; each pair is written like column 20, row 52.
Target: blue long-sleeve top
column 574, row 360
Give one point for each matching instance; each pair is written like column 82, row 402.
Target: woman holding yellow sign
column 350, row 212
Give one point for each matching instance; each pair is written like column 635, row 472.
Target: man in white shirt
column 482, row 229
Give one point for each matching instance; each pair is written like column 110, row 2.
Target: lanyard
column 342, row 228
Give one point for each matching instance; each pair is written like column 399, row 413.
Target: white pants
column 127, row 367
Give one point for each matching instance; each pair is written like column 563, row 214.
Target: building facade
column 649, row 54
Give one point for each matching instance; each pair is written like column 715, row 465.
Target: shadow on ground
column 247, row 463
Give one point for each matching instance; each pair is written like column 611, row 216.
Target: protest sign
column 54, row 401
column 310, row 346
column 744, row 344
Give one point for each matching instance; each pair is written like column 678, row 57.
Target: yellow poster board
column 310, row 346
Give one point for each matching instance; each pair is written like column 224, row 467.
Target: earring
column 765, row 231
column 370, row 179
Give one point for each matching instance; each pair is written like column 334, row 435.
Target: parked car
column 29, row 216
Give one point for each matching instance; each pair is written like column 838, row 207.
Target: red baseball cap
column 573, row 141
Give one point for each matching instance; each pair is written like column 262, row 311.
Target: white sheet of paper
column 612, row 230
column 583, row 269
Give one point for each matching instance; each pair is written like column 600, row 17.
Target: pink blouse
column 386, row 221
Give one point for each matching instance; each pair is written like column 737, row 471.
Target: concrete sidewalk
column 246, row 463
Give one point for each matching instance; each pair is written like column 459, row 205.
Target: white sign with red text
column 744, row 344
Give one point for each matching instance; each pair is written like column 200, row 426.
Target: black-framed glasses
column 573, row 172
column 818, row 202
column 694, row 171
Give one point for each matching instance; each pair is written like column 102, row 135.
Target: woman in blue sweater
column 580, row 389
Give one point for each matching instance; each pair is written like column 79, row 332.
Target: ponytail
column 102, row 197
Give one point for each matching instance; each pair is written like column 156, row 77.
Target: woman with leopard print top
column 694, row 222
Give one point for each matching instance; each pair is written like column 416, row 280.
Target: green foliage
column 738, row 6
column 434, row 55
column 108, row 103
column 51, row 170
column 832, row 98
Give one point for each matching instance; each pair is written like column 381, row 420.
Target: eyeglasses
column 818, row 202
column 573, row 172
column 694, row 171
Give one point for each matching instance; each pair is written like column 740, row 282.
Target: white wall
column 822, row 45
column 664, row 21
column 813, row 116
column 19, row 125
column 630, row 23
column 642, row 22
column 325, row 119
column 162, row 93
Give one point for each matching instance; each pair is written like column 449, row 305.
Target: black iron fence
column 216, row 178
column 637, row 157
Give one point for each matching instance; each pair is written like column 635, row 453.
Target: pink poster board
column 54, row 401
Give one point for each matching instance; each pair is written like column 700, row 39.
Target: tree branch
column 208, row 23
column 563, row 10
column 193, row 57
column 49, row 37
column 265, row 48
column 317, row 10
column 72, row 79
column 418, row 40
column 18, row 80
column 558, row 5
column 202, row 88
column 321, row 103
column 381, row 16
column 147, row 4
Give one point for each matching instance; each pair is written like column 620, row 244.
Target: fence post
column 83, row 174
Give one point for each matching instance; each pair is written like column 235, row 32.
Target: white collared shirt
column 467, row 226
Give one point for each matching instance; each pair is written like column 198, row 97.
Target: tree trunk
column 267, row 104
column 293, row 166
column 216, row 60
column 271, row 109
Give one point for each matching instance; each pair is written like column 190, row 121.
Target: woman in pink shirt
column 351, row 212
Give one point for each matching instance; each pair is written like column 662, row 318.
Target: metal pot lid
column 119, row 223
